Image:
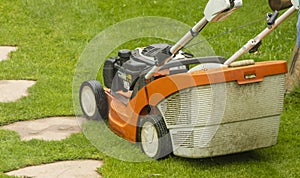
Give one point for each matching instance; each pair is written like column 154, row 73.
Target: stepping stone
column 63, row 169
column 5, row 50
column 54, row 128
column 12, row 90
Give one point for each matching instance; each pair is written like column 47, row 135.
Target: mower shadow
column 107, row 142
column 226, row 160
column 114, row 146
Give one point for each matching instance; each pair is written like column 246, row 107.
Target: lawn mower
column 169, row 101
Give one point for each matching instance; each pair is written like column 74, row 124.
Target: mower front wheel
column 93, row 100
column 155, row 139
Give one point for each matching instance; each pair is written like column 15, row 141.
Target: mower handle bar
column 214, row 11
column 251, row 43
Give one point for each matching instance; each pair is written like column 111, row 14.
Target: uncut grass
column 51, row 35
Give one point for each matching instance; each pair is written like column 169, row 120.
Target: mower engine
column 122, row 72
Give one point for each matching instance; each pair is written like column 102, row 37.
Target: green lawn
column 52, row 34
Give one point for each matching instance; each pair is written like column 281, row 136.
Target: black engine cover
column 126, row 73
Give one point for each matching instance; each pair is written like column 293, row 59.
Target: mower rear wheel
column 154, row 138
column 93, row 100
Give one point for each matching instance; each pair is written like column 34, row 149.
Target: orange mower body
column 206, row 112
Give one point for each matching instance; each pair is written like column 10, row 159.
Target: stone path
column 63, row 169
column 54, row 128
column 5, row 50
column 13, row 90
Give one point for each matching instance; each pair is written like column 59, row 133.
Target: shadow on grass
column 110, row 144
column 232, row 159
column 114, row 146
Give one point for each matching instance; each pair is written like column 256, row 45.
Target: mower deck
column 209, row 113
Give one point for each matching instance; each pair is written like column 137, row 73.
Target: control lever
column 271, row 17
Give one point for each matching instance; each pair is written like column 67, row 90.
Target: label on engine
column 126, row 85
